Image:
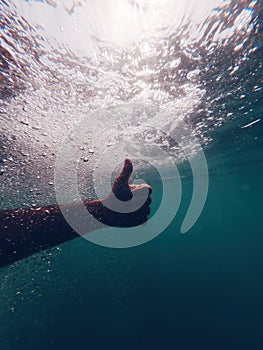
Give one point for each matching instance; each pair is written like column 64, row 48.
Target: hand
column 127, row 205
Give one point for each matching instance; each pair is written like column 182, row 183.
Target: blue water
column 199, row 290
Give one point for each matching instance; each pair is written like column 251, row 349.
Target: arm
column 26, row 231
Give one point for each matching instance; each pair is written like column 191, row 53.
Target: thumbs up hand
column 139, row 195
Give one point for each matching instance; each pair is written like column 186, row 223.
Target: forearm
column 26, row 231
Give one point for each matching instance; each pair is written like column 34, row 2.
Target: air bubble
column 24, row 154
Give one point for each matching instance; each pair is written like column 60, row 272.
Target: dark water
column 199, row 290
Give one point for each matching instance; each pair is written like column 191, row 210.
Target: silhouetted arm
column 26, row 231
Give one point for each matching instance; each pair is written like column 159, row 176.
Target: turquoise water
column 199, row 290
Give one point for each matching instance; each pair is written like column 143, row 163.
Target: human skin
column 26, row 231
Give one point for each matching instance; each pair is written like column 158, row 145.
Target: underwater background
column 194, row 64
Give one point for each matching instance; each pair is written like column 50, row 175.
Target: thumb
column 121, row 187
